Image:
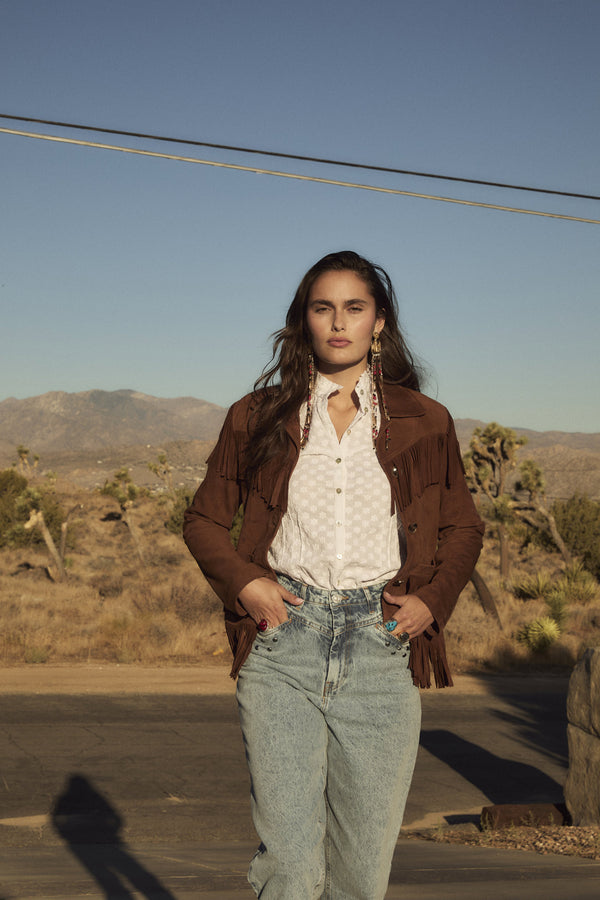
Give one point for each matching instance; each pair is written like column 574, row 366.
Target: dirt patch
column 116, row 679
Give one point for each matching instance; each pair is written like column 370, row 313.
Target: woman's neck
column 347, row 378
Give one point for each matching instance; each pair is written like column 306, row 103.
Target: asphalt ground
column 123, row 782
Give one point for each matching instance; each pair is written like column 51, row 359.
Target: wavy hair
column 283, row 384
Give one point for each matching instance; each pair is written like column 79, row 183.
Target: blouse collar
column 325, row 387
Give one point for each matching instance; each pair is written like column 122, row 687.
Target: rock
column 583, row 701
column 512, row 815
column 582, row 788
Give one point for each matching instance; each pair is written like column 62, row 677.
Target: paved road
column 172, row 765
column 421, row 871
column 165, row 774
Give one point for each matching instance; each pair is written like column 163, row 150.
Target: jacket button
column 398, row 582
column 412, row 527
column 394, row 471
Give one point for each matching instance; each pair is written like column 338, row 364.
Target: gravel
column 559, row 839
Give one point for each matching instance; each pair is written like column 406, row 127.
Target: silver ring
column 404, row 637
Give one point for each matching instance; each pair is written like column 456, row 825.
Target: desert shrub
column 108, row 585
column 578, row 521
column 539, row 634
column 182, row 498
column 191, row 604
column 558, row 606
column 12, row 486
column 533, row 587
column 187, row 603
column 17, row 500
column 121, row 487
column 578, row 585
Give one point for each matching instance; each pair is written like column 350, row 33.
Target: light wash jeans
column 331, row 722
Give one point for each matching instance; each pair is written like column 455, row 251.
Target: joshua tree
column 532, row 481
column 23, row 454
column 490, row 459
column 36, row 520
column 162, row 468
column 125, row 492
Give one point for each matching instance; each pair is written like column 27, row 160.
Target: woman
column 358, row 535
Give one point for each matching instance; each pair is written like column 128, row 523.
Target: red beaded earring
column 309, row 400
column 377, row 391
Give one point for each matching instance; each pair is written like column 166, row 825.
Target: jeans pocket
column 273, row 634
column 391, row 641
column 273, row 629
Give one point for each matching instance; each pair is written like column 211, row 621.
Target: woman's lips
column 338, row 342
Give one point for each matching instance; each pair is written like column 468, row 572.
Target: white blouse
column 337, row 532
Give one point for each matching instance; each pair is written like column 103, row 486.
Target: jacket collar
column 400, row 401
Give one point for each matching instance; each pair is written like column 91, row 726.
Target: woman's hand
column 263, row 598
column 413, row 616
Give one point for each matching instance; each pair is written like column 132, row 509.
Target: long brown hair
column 285, row 378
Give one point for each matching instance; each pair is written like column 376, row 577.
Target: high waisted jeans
column 331, row 722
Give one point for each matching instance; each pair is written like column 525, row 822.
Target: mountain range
column 68, row 431
column 92, row 420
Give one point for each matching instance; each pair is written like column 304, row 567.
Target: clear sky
column 119, row 271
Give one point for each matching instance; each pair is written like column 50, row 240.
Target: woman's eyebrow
column 331, row 303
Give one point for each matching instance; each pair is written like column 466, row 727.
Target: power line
column 295, row 156
column 295, row 176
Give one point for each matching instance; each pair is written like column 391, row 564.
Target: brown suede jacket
column 423, row 464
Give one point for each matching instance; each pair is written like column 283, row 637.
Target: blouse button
column 338, row 460
column 339, row 491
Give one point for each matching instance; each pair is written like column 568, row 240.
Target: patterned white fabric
column 337, row 531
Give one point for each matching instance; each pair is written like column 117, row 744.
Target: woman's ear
column 379, row 322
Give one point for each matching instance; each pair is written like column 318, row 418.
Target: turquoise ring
column 389, row 626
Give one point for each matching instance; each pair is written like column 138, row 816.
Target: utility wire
column 316, row 159
column 364, row 187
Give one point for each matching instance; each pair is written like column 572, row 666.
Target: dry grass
column 475, row 641
column 113, row 607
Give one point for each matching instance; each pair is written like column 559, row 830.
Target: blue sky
column 118, row 271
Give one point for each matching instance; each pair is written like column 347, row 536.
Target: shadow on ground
column 91, row 826
column 511, row 745
column 502, row 780
column 538, row 718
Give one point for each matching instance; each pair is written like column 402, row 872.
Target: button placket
column 339, row 481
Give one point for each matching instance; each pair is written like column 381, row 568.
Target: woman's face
column 341, row 317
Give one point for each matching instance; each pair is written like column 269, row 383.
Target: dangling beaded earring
column 377, row 391
column 309, row 400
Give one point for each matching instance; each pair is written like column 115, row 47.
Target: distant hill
column 575, row 440
column 570, row 460
column 92, row 420
column 87, row 435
